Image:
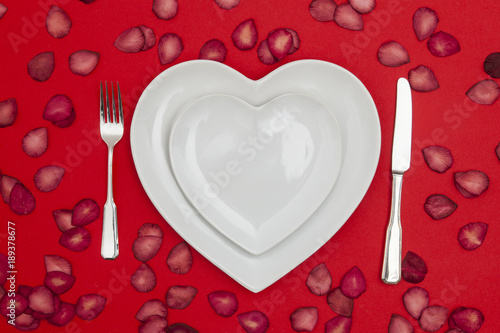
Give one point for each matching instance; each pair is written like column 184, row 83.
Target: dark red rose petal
column 353, row 283
column 58, row 108
column 66, row 313
column 227, row 4
column 304, row 319
column 416, row 299
column 143, row 279
column 442, row 44
column 149, row 37
column 40, row 315
column 54, row 263
column 438, row 158
column 35, row 142
column 363, row 6
column 59, row 282
column 169, row 48
column 392, row 54
column 322, row 10
column 346, row 17
column 319, row 280
column 279, row 42
column 245, row 35
column 472, row 235
column 485, row 92
column 42, row 300
column 471, row 183
column 165, row 9
column 339, row 303
column 131, row 40
column 425, row 21
column 150, row 229
column 399, row 324
column 21, row 201
column 179, row 297
column 6, row 185
column 339, row 324
column 85, row 212
column 295, row 41
column 63, row 217
column 58, row 23
column 76, row 239
column 253, row 321
column 468, row 320
column 154, row 324
column 413, row 268
column 439, row 206
column 180, row 260
column 223, row 302
column 265, row 55
column 433, row 318
column 214, row 49
column 66, row 122
column 3, row 10
column 24, row 320
column 19, row 301
column 8, row 112
column 83, row 62
column 153, row 307
column 48, row 178
column 42, row 65
column 451, row 323
column 422, row 78
column 146, row 247
column 89, row 306
column 492, row 65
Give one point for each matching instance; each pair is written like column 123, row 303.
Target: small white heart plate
column 256, row 173
column 346, row 97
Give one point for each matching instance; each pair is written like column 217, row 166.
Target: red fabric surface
column 445, row 116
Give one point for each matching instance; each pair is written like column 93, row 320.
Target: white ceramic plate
column 255, row 173
column 171, row 90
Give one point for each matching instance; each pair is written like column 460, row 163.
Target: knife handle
column 391, row 269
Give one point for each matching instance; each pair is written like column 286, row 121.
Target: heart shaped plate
column 173, row 89
column 255, row 173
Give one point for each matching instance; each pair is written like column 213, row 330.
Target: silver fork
column 111, row 133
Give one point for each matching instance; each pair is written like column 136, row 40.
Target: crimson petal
column 485, row 92
column 58, row 23
column 8, row 112
column 83, row 62
column 41, row 66
column 442, row 44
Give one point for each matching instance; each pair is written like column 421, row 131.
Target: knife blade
column 401, row 158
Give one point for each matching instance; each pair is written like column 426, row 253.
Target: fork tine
column 113, row 103
column 120, row 107
column 101, row 106
column 107, row 103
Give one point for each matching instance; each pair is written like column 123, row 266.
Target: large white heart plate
column 255, row 173
column 174, row 88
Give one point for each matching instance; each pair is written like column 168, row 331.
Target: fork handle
column 391, row 269
column 109, row 243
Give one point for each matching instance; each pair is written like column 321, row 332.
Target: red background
column 445, row 116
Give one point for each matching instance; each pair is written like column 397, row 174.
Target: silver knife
column 401, row 155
